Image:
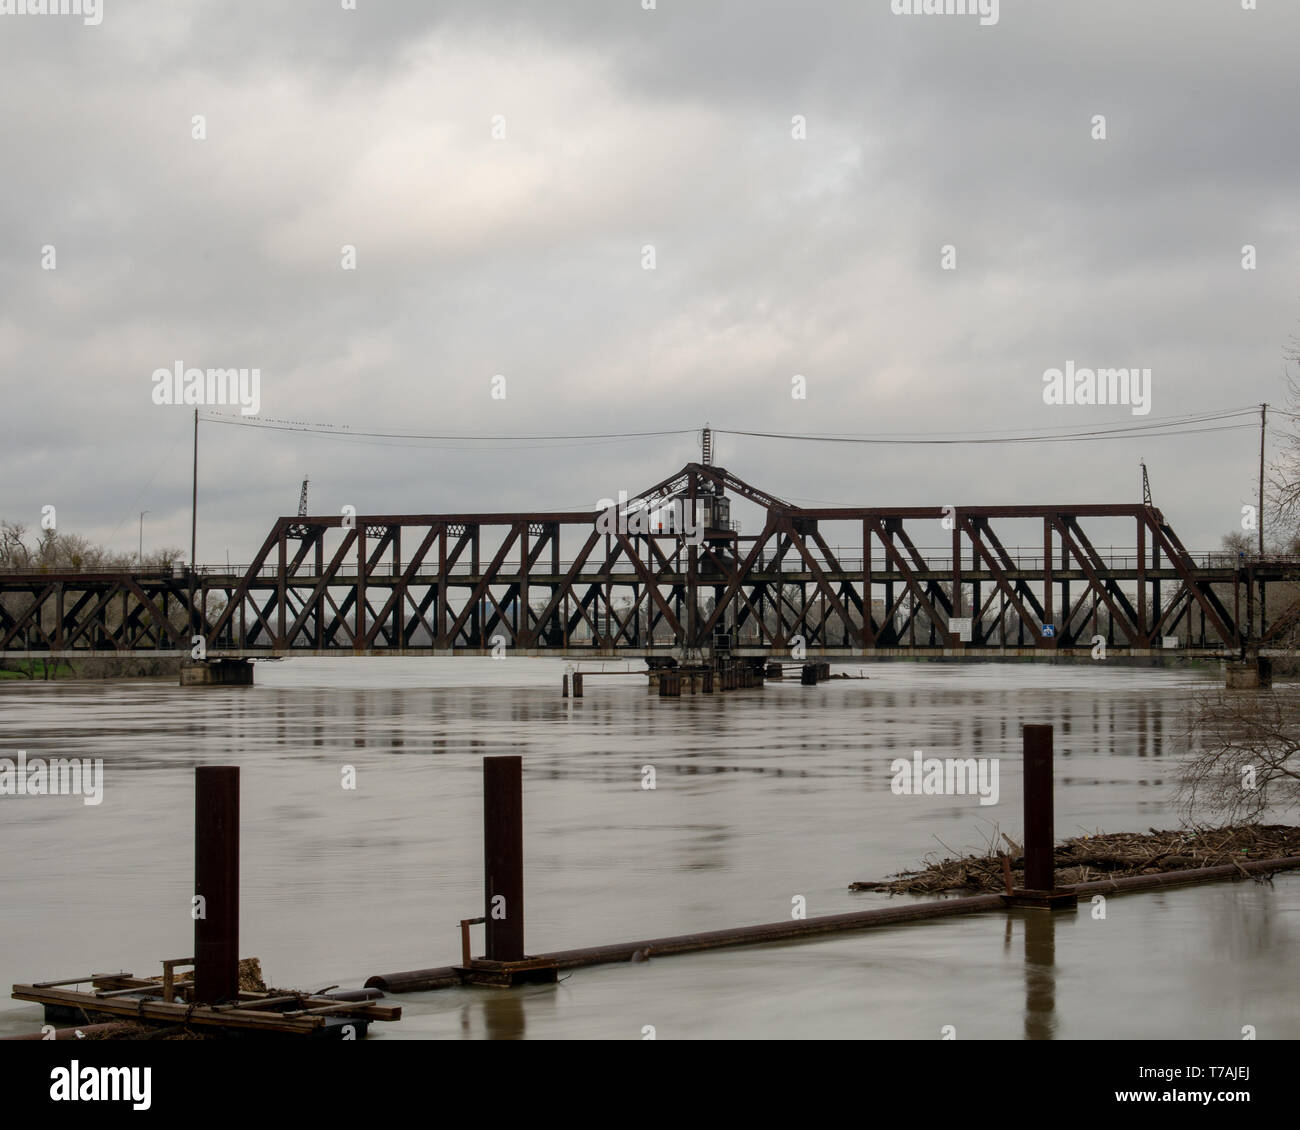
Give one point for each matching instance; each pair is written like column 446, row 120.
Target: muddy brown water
column 761, row 797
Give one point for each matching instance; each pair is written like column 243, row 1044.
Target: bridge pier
column 1249, row 674
column 217, row 673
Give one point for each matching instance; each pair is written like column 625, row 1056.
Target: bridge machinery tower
column 713, row 556
column 299, row 531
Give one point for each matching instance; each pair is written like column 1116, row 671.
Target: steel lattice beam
column 450, row 583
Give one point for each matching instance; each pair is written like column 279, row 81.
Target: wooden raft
column 123, row 996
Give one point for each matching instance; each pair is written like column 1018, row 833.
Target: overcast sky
column 522, row 255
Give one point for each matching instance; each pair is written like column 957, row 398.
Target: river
column 760, row 796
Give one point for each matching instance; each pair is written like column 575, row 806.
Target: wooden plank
column 262, row 1001
column 366, row 1009
column 155, row 987
column 80, row 980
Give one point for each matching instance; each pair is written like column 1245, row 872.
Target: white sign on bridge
column 960, row 627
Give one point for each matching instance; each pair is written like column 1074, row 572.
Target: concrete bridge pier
column 217, row 673
column 1251, row 673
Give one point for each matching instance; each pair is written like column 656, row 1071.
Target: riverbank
column 44, row 671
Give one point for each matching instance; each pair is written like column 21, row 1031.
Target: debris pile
column 1101, row 856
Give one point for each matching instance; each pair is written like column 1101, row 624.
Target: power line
column 1019, row 433
column 1140, row 431
column 346, row 432
column 1188, row 424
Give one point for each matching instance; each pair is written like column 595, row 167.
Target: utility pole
column 139, row 555
column 1263, row 420
column 194, row 497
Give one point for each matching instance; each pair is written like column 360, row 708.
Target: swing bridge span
column 578, row 584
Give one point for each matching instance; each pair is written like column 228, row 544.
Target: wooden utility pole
column 1263, row 420
column 194, row 497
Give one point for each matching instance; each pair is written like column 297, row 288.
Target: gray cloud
column 522, row 256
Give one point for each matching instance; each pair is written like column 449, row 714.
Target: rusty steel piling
column 1040, row 888
column 216, row 883
column 1040, row 825
column 503, row 857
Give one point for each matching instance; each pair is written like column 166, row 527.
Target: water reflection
column 1040, row 973
column 505, row 1016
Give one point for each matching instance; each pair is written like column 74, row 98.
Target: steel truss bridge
column 475, row 584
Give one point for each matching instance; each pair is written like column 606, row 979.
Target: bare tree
column 58, row 552
column 1283, row 478
column 1242, row 761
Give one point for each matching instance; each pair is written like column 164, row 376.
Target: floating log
column 1197, row 875
column 80, row 1032
column 417, row 980
column 420, row 980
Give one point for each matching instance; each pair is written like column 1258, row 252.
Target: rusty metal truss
column 435, row 584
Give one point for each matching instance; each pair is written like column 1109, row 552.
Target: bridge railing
column 35, row 569
column 1025, row 560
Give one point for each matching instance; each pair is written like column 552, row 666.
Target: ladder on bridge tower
column 300, row 531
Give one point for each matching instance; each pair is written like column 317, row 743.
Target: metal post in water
column 1040, row 867
column 216, row 882
column 1040, row 889
column 503, row 856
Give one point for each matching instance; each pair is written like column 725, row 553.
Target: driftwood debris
column 1084, row 859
